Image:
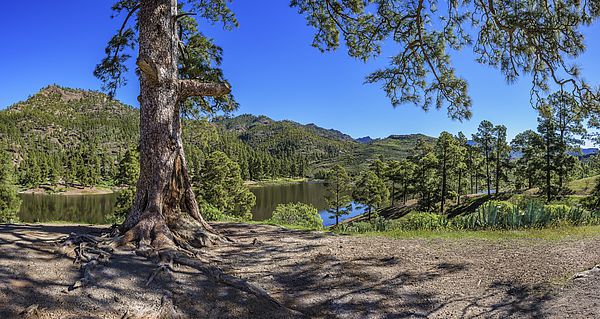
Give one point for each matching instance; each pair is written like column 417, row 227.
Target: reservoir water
column 93, row 209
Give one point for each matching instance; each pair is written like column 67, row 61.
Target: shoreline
column 279, row 181
column 68, row 191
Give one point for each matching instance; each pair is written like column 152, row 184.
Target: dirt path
column 320, row 275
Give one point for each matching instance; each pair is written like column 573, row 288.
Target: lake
column 268, row 197
column 92, row 209
column 85, row 209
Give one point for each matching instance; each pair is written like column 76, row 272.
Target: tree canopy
column 535, row 38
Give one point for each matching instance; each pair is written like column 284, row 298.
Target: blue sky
column 270, row 63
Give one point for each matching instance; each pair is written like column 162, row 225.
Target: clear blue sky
column 268, row 60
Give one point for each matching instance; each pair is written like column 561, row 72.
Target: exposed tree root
column 166, row 311
column 32, row 312
column 594, row 272
column 165, row 248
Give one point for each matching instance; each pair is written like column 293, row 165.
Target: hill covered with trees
column 78, row 137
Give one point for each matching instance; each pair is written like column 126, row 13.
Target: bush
column 9, row 217
column 210, row 212
column 420, row 221
column 357, row 227
column 125, row 199
column 534, row 215
column 9, row 200
column 297, row 214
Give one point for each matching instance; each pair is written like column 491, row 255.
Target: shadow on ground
column 33, row 273
column 325, row 276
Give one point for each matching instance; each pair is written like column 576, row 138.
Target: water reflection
column 93, row 209
column 268, row 197
column 84, row 209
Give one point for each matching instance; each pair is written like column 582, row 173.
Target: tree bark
column 165, row 211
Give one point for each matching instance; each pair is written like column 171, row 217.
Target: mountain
column 589, row 151
column 322, row 147
column 281, row 138
column 79, row 136
column 59, row 119
column 364, row 140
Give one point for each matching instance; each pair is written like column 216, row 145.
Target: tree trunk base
column 181, row 232
column 164, row 243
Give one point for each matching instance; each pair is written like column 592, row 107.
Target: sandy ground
column 318, row 275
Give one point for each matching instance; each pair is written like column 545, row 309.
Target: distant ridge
column 364, row 140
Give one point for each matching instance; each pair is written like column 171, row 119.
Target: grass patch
column 584, row 186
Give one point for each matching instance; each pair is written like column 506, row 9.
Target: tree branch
column 189, row 88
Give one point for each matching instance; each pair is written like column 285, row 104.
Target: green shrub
column 125, row 199
column 357, row 227
column 504, row 206
column 534, row 215
column 210, row 212
column 494, row 215
column 297, row 214
column 9, row 200
column 420, row 221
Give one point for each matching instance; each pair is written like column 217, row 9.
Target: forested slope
column 73, row 136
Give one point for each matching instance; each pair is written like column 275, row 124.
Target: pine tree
column 371, row 191
column 501, row 155
column 449, row 153
column 529, row 145
column 9, row 200
column 128, row 172
column 485, row 141
column 461, row 163
column 222, row 187
column 568, row 116
column 338, row 187
column 129, row 169
column 425, row 178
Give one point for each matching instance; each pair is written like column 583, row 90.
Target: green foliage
column 68, row 136
column 376, row 224
column 125, row 198
column 371, row 191
column 505, row 35
column 129, row 169
column 493, row 215
column 127, row 176
column 9, row 200
column 426, row 179
column 338, row 188
column 222, row 187
column 593, row 201
column 211, row 213
column 560, row 124
column 420, row 221
column 297, row 214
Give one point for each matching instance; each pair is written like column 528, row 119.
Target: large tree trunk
column 165, row 211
